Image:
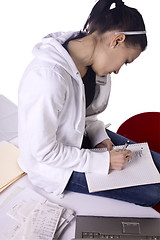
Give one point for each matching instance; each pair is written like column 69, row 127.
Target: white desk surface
column 82, row 204
column 85, row 205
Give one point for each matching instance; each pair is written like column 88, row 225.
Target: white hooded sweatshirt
column 53, row 117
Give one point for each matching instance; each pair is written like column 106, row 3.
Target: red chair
column 143, row 127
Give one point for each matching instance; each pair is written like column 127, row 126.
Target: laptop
column 124, row 228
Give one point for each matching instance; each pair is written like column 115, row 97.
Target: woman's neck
column 81, row 51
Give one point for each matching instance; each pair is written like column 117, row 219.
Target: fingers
column 127, row 155
column 119, row 158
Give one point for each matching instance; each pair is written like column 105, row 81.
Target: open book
column 139, row 171
column 9, row 168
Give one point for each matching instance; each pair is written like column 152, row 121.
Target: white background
column 24, row 22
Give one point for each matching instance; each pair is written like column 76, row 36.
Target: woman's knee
column 151, row 195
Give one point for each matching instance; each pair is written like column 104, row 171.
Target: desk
column 81, row 203
column 85, row 205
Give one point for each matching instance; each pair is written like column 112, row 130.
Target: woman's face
column 111, row 53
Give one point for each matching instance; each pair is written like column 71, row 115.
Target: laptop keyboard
column 97, row 235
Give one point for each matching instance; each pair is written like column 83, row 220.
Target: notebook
column 134, row 173
column 124, row 228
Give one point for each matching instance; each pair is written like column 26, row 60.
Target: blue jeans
column 144, row 195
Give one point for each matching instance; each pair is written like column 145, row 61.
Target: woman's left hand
column 107, row 143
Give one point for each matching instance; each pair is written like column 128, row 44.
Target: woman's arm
column 41, row 101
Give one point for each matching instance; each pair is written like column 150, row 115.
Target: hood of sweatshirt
column 50, row 49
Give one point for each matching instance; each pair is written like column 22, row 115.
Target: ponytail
column 100, row 8
column 122, row 18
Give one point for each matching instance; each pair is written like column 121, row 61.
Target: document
column 9, row 170
column 140, row 170
column 28, row 216
column 40, row 222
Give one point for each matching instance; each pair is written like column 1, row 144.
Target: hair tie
column 100, row 8
column 118, row 3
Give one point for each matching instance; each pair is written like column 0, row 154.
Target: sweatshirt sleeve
column 40, row 104
column 95, row 130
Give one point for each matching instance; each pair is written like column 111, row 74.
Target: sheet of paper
column 9, row 170
column 43, row 222
column 8, row 119
column 27, row 215
column 139, row 171
column 9, row 227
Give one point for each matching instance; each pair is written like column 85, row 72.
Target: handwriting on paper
column 138, row 153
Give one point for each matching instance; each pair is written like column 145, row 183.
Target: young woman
column 64, row 88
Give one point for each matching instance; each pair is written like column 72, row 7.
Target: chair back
column 143, row 127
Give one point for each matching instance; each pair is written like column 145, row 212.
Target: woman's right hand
column 119, row 158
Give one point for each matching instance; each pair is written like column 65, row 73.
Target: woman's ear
column 117, row 40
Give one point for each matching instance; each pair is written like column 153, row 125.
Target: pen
column 125, row 146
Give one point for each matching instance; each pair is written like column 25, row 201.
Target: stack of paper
column 9, row 170
column 39, row 221
column 28, row 216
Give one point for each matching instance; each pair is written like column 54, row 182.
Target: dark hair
column 121, row 18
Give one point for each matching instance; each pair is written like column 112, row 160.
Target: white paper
column 66, row 218
column 42, row 223
column 9, row 228
column 8, row 119
column 139, row 171
column 15, row 212
column 29, row 216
